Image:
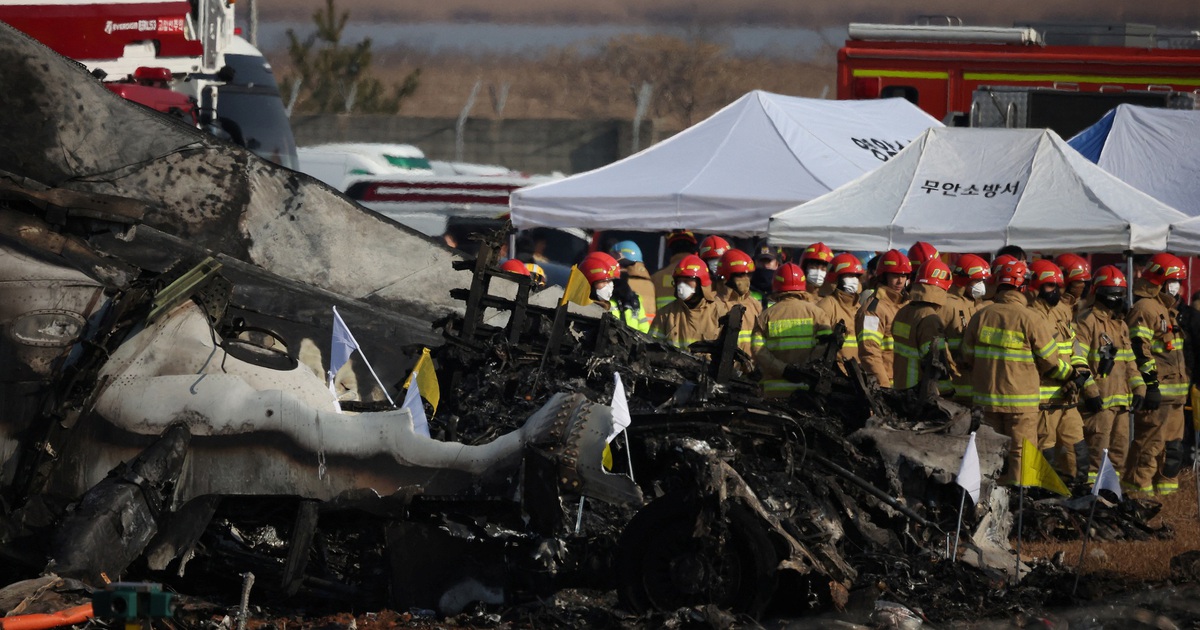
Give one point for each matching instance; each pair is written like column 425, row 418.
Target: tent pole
column 1129, row 277
column 662, row 250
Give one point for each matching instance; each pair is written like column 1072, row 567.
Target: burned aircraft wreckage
column 163, row 300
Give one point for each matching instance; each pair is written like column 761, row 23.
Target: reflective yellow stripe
column 901, row 329
column 778, row 385
column 1141, row 332
column 889, row 343
column 1012, row 400
column 870, row 335
column 999, row 337
column 793, row 327
column 1173, row 389
column 1116, row 400
column 1000, row 354
column 1074, row 78
column 901, row 74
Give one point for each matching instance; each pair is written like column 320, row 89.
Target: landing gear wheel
column 662, row 564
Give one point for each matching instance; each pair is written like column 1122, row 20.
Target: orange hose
column 68, row 617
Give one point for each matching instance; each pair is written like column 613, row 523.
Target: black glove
column 1136, row 402
column 1093, row 404
column 795, row 373
column 1153, row 398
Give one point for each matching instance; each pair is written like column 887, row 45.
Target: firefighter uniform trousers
column 1107, row 429
column 1060, row 427
column 1157, row 450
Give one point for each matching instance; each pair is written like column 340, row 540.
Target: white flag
column 343, row 345
column 620, row 409
column 968, row 473
column 412, row 402
column 1107, row 478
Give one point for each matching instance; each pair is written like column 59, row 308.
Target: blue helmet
column 626, row 250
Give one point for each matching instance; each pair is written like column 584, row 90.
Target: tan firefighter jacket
column 1059, row 319
column 729, row 296
column 784, row 334
column 874, row 325
column 640, row 282
column 1008, row 347
column 843, row 307
column 664, row 283
column 958, row 310
column 681, row 325
column 1152, row 319
column 1095, row 328
column 918, row 330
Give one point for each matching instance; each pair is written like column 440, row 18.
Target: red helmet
column 1000, row 262
column 1163, row 267
column 935, row 273
column 598, row 266
column 817, row 252
column 921, row 253
column 1012, row 273
column 1109, row 276
column 789, row 277
column 735, row 261
column 713, row 247
column 969, row 268
column 892, row 261
column 512, row 265
column 845, row 264
column 1075, row 267
column 1045, row 272
column 692, row 267
column 681, row 235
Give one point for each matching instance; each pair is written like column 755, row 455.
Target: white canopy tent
column 976, row 190
column 1185, row 237
column 729, row 173
column 1152, row 149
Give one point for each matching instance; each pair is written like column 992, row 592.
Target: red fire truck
column 1067, row 75
column 180, row 57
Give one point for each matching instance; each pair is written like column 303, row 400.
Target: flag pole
column 629, row 456
column 962, row 503
column 376, row 377
column 579, row 517
column 1020, row 529
column 1087, row 533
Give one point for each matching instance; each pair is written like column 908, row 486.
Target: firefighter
column 815, row 262
column 1157, row 451
column 874, row 319
column 512, row 265
column 694, row 314
column 604, row 274
column 786, row 334
column 735, row 269
column 710, row 251
column 1116, row 387
column 919, row 254
column 680, row 243
column 920, row 331
column 766, row 260
column 963, row 300
column 841, row 305
column 635, row 273
column 1078, row 275
column 1060, row 427
column 1007, row 348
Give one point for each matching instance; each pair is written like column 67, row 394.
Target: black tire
column 663, row 565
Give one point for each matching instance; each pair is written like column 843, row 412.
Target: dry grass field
column 1137, row 560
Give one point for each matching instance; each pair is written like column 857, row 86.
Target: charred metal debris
column 130, row 453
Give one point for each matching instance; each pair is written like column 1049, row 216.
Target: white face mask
column 815, row 277
column 1172, row 288
column 851, row 285
column 978, row 289
column 712, row 266
column 684, row 291
column 605, row 292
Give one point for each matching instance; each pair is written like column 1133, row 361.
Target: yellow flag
column 1037, row 472
column 427, row 381
column 606, row 458
column 579, row 290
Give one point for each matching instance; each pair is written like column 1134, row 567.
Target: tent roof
column 1043, row 196
column 730, row 172
column 1152, row 149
